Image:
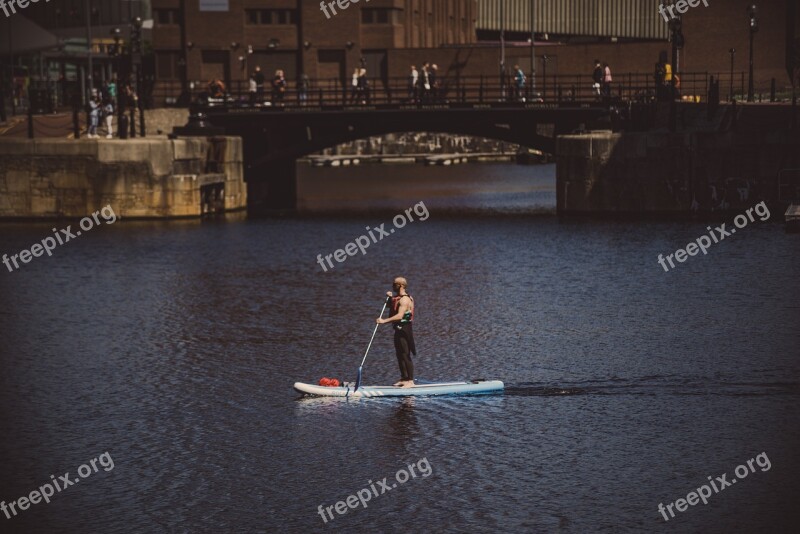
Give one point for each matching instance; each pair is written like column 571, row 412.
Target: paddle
column 361, row 367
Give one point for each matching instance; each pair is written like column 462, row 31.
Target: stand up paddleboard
column 475, row 387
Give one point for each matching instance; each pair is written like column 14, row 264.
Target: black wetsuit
column 404, row 340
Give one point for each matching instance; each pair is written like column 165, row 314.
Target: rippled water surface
column 174, row 347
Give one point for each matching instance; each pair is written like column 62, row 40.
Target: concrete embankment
column 714, row 171
column 139, row 178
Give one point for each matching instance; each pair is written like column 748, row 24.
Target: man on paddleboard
column 402, row 317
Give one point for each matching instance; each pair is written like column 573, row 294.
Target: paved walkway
column 58, row 125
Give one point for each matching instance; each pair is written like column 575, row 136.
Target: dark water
column 174, row 346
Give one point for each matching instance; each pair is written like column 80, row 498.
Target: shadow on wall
column 707, row 168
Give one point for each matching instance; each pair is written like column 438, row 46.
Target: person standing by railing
column 278, row 88
column 363, row 86
column 258, row 76
column 108, row 111
column 94, row 116
column 433, row 80
column 607, row 80
column 413, row 80
column 597, row 78
column 303, row 85
column 663, row 78
column 111, row 89
column 252, row 89
column 354, row 86
column 519, row 84
column 425, row 82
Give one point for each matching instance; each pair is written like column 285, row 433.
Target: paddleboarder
column 402, row 317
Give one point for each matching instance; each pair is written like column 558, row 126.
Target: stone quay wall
column 139, row 178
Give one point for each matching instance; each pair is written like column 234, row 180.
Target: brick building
column 227, row 39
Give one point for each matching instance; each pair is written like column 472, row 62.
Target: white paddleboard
column 475, row 387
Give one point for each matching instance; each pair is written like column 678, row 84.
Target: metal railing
column 556, row 88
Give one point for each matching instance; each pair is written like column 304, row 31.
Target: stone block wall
column 146, row 178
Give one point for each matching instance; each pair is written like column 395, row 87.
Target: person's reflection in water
column 403, row 423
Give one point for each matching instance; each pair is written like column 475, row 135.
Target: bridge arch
column 274, row 139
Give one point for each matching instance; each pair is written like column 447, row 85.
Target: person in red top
column 402, row 318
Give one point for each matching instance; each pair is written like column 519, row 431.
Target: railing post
column 480, row 92
column 76, row 130
column 630, row 86
column 772, row 91
column 141, row 117
column 30, row 120
column 741, row 82
column 320, row 96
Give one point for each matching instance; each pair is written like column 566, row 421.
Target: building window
column 165, row 17
column 377, row 15
column 281, row 17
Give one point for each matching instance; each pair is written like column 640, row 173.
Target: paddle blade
column 358, row 380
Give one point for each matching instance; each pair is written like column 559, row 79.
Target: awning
column 20, row 35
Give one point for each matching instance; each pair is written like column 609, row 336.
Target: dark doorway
column 376, row 65
column 216, row 65
column 331, row 65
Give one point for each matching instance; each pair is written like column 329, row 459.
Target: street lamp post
column 502, row 51
column 184, row 98
column 676, row 28
column 752, row 11
column 136, row 55
column 732, row 52
column 88, row 7
column 533, row 51
column 545, row 59
column 122, row 130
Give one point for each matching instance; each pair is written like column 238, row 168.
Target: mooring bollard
column 76, row 129
column 30, row 121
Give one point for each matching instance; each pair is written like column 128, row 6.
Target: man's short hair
column 402, row 281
